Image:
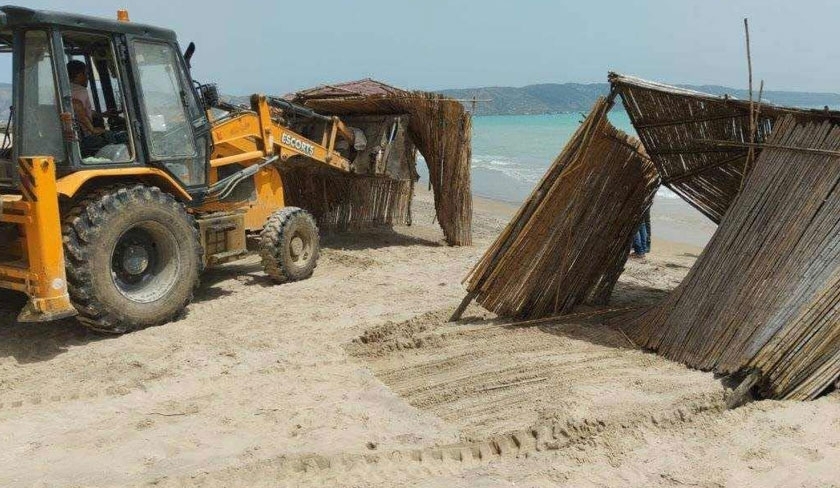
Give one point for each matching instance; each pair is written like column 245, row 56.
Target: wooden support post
column 456, row 316
column 751, row 151
column 741, row 395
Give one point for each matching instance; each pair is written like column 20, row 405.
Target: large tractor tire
column 289, row 245
column 133, row 258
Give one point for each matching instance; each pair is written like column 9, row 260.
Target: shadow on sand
column 595, row 324
column 36, row 342
column 250, row 271
column 373, row 239
column 29, row 343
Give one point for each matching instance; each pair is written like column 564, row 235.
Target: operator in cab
column 93, row 138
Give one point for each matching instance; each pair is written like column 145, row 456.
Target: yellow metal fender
column 69, row 185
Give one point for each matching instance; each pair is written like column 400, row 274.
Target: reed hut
column 763, row 299
column 700, row 143
column 395, row 122
column 765, row 294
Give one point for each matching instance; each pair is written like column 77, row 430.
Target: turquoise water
column 512, row 152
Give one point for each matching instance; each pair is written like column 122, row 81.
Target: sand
column 353, row 378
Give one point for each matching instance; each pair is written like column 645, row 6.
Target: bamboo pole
column 751, row 152
column 741, row 395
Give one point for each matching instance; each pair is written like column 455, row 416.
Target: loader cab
column 137, row 94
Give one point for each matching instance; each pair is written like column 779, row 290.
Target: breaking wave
column 518, row 171
column 509, row 167
column 532, row 174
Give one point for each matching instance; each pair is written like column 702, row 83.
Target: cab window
column 40, row 130
column 167, row 125
column 6, row 129
column 98, row 99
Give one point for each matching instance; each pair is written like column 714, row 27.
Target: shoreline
column 677, row 227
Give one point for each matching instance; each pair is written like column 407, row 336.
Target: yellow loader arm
column 254, row 142
column 251, row 136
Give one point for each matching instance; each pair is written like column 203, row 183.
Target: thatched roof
column 439, row 127
column 678, row 128
column 360, row 88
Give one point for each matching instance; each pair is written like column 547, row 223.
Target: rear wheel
column 133, row 258
column 289, row 245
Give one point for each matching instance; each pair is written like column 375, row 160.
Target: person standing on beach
column 641, row 240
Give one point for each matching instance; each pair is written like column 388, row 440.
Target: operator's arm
column 84, row 120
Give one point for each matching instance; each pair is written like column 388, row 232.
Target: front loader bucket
column 32, row 261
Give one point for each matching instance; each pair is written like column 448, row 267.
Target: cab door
column 173, row 128
column 37, row 124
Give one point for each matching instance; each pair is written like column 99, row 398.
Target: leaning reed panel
column 569, row 241
column 442, row 131
column 343, row 202
column 765, row 293
column 672, row 123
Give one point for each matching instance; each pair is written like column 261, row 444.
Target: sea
column 512, row 152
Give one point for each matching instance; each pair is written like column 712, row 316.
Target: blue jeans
column 640, row 240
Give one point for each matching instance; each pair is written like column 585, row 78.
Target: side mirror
column 209, row 95
column 188, row 54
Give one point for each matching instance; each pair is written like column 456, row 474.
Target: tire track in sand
column 391, row 467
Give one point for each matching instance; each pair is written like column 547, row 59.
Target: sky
column 250, row 46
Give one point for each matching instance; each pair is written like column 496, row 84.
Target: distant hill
column 788, row 98
column 532, row 99
column 552, row 98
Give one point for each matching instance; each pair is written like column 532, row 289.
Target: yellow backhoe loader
column 121, row 178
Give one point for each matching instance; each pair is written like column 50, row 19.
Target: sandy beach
column 354, row 378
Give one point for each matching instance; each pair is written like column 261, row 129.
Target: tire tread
column 271, row 244
column 82, row 224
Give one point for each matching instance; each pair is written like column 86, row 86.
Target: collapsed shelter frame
column 762, row 300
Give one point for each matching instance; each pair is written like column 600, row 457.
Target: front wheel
column 289, row 245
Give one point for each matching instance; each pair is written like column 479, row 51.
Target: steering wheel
column 116, row 122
